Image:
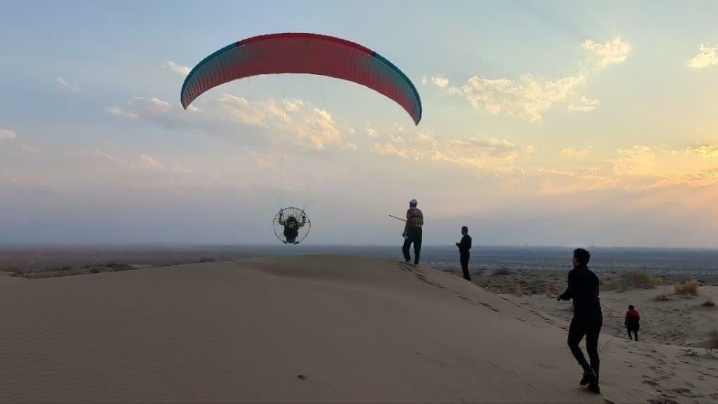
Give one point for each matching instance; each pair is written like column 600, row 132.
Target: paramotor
column 291, row 225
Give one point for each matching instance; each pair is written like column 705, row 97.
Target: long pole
column 397, row 218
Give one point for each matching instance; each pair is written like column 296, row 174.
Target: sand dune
column 309, row 329
column 671, row 320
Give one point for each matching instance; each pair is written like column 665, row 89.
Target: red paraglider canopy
column 303, row 53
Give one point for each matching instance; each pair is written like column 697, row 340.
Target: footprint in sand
column 651, row 382
column 662, row 400
column 685, row 393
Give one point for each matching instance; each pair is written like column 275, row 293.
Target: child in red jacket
column 632, row 322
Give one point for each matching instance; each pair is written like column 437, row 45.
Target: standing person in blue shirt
column 413, row 232
column 464, row 247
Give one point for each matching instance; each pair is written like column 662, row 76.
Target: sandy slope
column 308, row 329
column 679, row 320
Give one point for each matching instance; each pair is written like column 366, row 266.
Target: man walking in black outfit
column 464, row 247
column 583, row 286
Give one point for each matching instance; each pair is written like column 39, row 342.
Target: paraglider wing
column 303, row 53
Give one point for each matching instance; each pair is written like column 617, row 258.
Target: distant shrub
column 502, row 271
column 550, row 291
column 207, row 259
column 687, row 288
column 519, row 291
column 633, row 280
column 642, row 280
column 708, row 303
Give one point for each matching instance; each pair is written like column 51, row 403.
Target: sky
column 545, row 123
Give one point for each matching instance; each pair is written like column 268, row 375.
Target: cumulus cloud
column 602, row 55
column 440, row 81
column 527, row 97
column 6, row 134
column 67, row 86
column 488, row 154
column 585, row 105
column 246, row 121
column 530, row 96
column 704, row 150
column 706, row 57
column 177, row 68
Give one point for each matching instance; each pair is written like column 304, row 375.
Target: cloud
column 143, row 162
column 707, row 56
column 638, row 167
column 177, row 68
column 702, row 178
column 33, row 150
column 440, row 81
column 6, row 134
column 585, row 105
column 149, row 162
column 575, row 152
column 372, row 133
column 101, row 154
column 610, row 53
column 492, row 155
column 67, row 86
column 119, row 112
column 247, row 122
column 635, row 161
column 530, row 96
column 443, row 83
column 705, row 151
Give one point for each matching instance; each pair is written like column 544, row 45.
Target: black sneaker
column 594, row 387
column 588, row 377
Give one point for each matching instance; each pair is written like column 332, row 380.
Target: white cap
column 412, row 202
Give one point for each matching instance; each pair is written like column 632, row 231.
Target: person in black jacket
column 583, row 287
column 464, row 247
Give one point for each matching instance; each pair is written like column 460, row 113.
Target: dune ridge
column 309, row 329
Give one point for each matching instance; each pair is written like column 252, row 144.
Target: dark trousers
column 635, row 333
column 413, row 236
column 590, row 327
column 464, row 259
column 291, row 234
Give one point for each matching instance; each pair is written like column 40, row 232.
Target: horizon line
column 324, row 245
